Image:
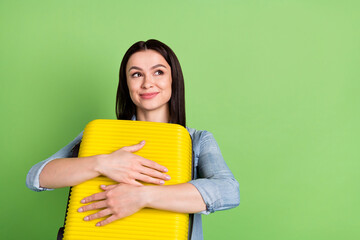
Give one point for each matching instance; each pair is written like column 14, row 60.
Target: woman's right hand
column 125, row 167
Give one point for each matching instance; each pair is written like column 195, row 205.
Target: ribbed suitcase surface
column 166, row 144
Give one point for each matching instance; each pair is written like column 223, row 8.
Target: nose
column 147, row 82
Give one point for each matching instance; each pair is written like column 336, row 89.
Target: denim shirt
column 211, row 176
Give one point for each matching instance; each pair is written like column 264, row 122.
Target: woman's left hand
column 117, row 201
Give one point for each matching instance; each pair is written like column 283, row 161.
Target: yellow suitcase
column 166, row 144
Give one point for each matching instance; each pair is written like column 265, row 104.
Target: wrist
column 148, row 195
column 98, row 161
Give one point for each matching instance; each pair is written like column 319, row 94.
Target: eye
column 136, row 74
column 159, row 72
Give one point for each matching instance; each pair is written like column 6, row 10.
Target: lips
column 148, row 95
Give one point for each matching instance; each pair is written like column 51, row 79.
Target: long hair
column 126, row 109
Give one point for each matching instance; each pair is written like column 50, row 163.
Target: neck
column 158, row 115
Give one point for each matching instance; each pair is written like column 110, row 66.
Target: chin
column 151, row 107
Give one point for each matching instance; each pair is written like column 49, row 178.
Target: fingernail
column 86, row 218
column 142, row 142
column 103, row 186
column 165, row 170
column 167, row 177
column 162, row 182
column 80, row 210
column 98, row 225
column 82, row 201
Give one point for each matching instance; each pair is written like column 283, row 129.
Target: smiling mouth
column 148, row 95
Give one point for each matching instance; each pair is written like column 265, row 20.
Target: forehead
column 146, row 59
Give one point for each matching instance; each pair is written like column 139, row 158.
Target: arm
column 33, row 176
column 215, row 182
column 64, row 172
column 123, row 200
column 216, row 189
column 121, row 166
column 183, row 198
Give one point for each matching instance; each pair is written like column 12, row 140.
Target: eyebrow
column 155, row 66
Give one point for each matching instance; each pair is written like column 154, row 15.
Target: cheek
column 132, row 91
column 167, row 90
column 166, row 85
column 132, row 87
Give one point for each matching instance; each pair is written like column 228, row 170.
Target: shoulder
column 198, row 135
column 200, row 139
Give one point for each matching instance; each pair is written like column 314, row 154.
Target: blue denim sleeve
column 32, row 178
column 215, row 182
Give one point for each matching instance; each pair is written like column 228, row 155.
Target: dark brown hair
column 126, row 109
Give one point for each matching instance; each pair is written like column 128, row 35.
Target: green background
column 276, row 82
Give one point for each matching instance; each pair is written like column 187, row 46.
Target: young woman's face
column 148, row 76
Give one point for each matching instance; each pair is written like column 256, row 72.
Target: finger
column 107, row 187
column 94, row 197
column 136, row 183
column 99, row 214
column 151, row 164
column 134, row 148
column 145, row 178
column 96, row 205
column 154, row 173
column 107, row 221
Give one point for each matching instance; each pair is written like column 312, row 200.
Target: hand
column 125, row 167
column 118, row 201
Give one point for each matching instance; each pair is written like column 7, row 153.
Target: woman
column 151, row 88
